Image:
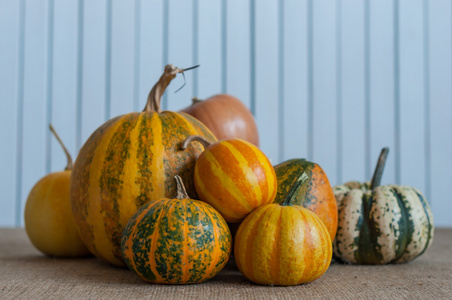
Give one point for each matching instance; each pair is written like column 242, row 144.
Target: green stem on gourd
column 196, row 138
column 376, row 178
column 181, row 191
column 153, row 102
column 68, row 155
column 294, row 189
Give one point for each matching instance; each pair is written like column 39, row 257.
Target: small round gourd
column 233, row 176
column 316, row 194
column 283, row 244
column 381, row 224
column 48, row 218
column 176, row 241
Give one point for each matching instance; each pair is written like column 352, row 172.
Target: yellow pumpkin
column 48, row 218
column 283, row 244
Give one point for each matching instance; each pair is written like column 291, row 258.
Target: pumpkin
column 176, row 241
column 48, row 218
column 127, row 162
column 226, row 116
column 233, row 176
column 283, row 244
column 316, row 194
column 381, row 224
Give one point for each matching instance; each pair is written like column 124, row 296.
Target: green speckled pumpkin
column 381, row 224
column 176, row 241
column 128, row 161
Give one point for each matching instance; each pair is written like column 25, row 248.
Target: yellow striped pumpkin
column 233, row 176
column 176, row 241
column 283, row 244
column 127, row 162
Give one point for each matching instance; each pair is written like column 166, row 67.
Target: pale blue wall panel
column 63, row 93
column 180, row 53
column 352, row 100
column 266, row 77
column 151, row 48
column 411, row 114
column 9, row 105
column 209, row 50
column 333, row 82
column 440, row 108
column 294, row 81
column 122, row 57
column 94, row 67
column 382, row 86
column 35, row 96
column 324, row 130
column 238, row 44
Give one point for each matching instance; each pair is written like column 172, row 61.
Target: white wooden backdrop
column 331, row 81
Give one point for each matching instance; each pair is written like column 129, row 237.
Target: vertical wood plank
column 353, row 94
column 94, row 66
column 324, row 144
column 64, row 83
column 151, row 47
column 238, row 50
column 266, row 72
column 122, row 58
column 295, row 80
column 180, row 53
column 35, row 97
column 440, row 108
column 209, row 49
column 412, row 118
column 382, row 89
column 9, row 84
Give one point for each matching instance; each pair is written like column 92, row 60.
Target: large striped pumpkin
column 127, row 162
column 176, row 241
column 381, row 224
column 283, row 244
column 316, row 194
column 233, row 176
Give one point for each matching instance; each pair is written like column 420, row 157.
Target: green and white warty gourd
column 381, row 224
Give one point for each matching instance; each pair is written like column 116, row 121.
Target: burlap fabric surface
column 27, row 274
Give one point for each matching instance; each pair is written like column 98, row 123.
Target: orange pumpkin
column 226, row 116
column 127, row 162
column 233, row 176
column 283, row 244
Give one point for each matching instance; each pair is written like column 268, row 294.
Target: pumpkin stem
column 170, row 72
column 196, row 138
column 195, row 100
column 68, row 156
column 294, row 189
column 376, row 179
column 181, row 191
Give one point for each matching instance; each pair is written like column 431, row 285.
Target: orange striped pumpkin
column 281, row 244
column 233, row 176
column 127, row 162
column 176, row 241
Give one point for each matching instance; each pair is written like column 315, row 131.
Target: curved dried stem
column 294, row 189
column 154, row 97
column 68, row 155
column 181, row 191
column 206, row 143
